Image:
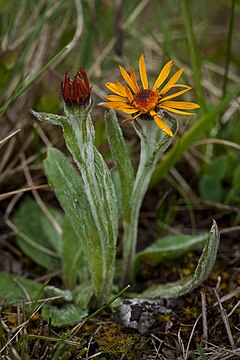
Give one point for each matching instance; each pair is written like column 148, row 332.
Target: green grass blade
column 22, row 88
column 194, row 54
column 228, row 52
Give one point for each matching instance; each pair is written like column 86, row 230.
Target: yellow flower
column 144, row 100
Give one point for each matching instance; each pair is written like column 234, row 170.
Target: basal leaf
column 52, row 291
column 83, row 294
column 211, row 188
column 74, row 261
column 15, row 288
column 188, row 284
column 64, row 315
column 69, row 189
column 37, row 235
column 169, row 247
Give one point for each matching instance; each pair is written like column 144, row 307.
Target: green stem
column 140, row 187
column 153, row 143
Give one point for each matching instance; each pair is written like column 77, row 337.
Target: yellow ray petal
column 129, row 110
column 130, row 119
column 176, row 111
column 133, row 77
column 163, row 75
column 127, row 120
column 129, row 94
column 172, row 81
column 161, row 124
column 175, row 86
column 180, row 85
column 143, row 73
column 181, row 105
column 114, row 88
column 115, row 105
column 174, row 95
column 117, row 98
column 120, row 87
column 128, row 79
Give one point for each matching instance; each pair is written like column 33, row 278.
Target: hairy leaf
column 169, row 247
column 120, row 154
column 69, row 189
column 15, row 288
column 188, row 284
column 64, row 315
column 37, row 236
column 74, row 261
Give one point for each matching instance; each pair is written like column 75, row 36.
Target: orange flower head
column 76, row 92
column 144, row 100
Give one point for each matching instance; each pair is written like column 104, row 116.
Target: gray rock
column 140, row 314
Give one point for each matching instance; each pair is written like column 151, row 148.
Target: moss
column 114, row 342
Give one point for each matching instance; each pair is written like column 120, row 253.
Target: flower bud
column 76, row 92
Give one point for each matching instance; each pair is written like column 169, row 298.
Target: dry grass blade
column 215, row 352
column 126, row 25
column 79, row 27
column 204, row 317
column 37, row 197
column 217, row 141
column 21, row 327
column 23, row 190
column 9, row 136
column 91, row 340
column 9, row 209
column 228, row 296
column 191, row 336
column 225, row 320
column 237, row 306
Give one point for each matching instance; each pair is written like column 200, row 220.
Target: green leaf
column 201, row 352
column 202, row 271
column 83, row 294
column 118, row 190
column 37, row 234
column 64, row 315
column 54, row 237
column 79, row 135
column 52, row 118
column 219, row 167
column 120, row 154
column 15, row 288
column 69, row 189
column 236, row 177
column 169, row 247
column 53, row 291
column 210, row 188
column 74, row 263
column 78, row 131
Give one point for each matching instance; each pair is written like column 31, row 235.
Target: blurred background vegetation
column 41, row 39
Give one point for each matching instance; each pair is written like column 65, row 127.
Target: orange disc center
column 145, row 100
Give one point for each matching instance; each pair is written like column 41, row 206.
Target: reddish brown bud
column 76, row 92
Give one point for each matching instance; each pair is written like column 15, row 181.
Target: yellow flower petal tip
column 136, row 100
